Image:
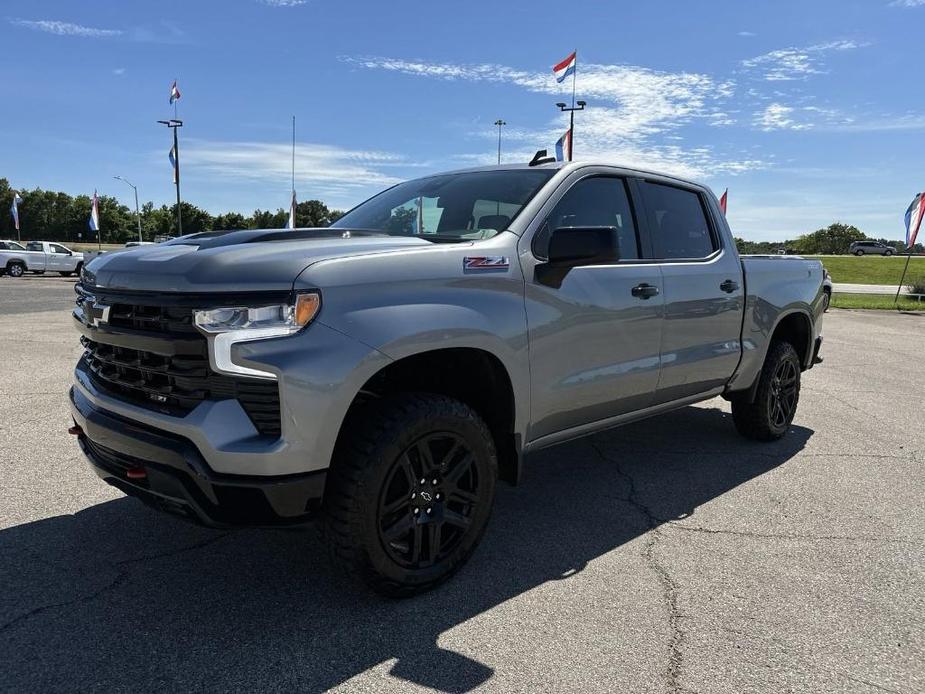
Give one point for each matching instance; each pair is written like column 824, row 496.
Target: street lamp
column 174, row 123
column 500, row 123
column 137, row 211
column 571, row 127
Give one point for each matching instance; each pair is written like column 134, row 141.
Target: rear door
column 594, row 340
column 703, row 290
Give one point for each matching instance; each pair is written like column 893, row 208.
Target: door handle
column 729, row 286
column 644, row 291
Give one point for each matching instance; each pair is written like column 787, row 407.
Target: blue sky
column 809, row 111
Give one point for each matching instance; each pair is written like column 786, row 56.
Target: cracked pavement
column 667, row 556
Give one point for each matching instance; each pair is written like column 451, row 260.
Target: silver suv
column 870, row 248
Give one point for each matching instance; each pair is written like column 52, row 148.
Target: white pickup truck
column 38, row 257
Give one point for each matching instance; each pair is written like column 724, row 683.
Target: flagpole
column 293, row 155
column 903, row 278
column 571, row 126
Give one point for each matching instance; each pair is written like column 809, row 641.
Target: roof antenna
column 541, row 157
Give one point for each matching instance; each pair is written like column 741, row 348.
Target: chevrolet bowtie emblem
column 95, row 313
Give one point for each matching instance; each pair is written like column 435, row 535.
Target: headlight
column 225, row 327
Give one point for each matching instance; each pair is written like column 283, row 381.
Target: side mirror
column 571, row 247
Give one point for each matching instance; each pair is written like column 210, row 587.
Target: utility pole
column 175, row 123
column 137, row 211
column 500, row 123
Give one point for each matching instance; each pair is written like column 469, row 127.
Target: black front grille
column 172, row 384
column 159, row 319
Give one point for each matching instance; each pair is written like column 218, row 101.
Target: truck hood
column 252, row 260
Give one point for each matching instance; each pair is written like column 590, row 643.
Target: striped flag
column 290, row 223
column 95, row 213
column 914, row 219
column 174, row 93
column 172, row 157
column 723, row 199
column 564, row 146
column 566, row 67
column 14, row 209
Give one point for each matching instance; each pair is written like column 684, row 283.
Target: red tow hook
column 75, row 430
column 136, row 473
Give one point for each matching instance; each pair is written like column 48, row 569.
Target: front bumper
column 167, row 471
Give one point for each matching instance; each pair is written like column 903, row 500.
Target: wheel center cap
column 427, row 496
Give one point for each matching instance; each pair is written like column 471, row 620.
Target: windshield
column 450, row 207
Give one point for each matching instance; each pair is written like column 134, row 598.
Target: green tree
column 313, row 213
column 229, row 222
column 833, row 239
column 264, row 219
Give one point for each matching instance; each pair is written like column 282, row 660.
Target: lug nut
column 428, row 511
column 413, row 494
column 417, row 511
column 434, row 482
column 437, row 497
column 423, row 481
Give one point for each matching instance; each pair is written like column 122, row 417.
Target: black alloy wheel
column 410, row 491
column 427, row 502
column 782, row 402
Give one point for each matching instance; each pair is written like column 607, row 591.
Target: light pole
column 137, row 211
column 500, row 123
column 174, row 124
column 571, row 126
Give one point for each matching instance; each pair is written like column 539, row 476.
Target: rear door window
column 678, row 222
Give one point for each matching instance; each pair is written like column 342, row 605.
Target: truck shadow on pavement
column 117, row 597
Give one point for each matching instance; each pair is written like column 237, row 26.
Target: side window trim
column 715, row 237
column 630, row 198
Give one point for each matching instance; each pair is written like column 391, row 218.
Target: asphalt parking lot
column 666, row 556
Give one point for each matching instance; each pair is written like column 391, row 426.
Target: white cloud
column 907, row 3
column 118, row 71
column 787, row 64
column 633, row 107
column 51, row 26
column 747, row 34
column 779, row 117
column 282, row 3
column 324, row 169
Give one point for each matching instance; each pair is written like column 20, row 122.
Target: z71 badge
column 486, row 263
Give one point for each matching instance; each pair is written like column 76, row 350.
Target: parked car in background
column 38, row 257
column 870, row 248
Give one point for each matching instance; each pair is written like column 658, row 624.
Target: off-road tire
column 760, row 420
column 375, row 442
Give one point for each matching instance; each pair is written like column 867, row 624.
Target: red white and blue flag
column 290, row 223
column 172, row 157
column 914, row 219
column 14, row 209
column 564, row 146
column 566, row 67
column 95, row 213
column 174, row 93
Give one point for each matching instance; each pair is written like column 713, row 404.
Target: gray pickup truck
column 381, row 374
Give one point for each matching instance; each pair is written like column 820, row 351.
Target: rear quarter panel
column 776, row 286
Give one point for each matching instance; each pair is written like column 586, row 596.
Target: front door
column 703, row 291
column 594, row 341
